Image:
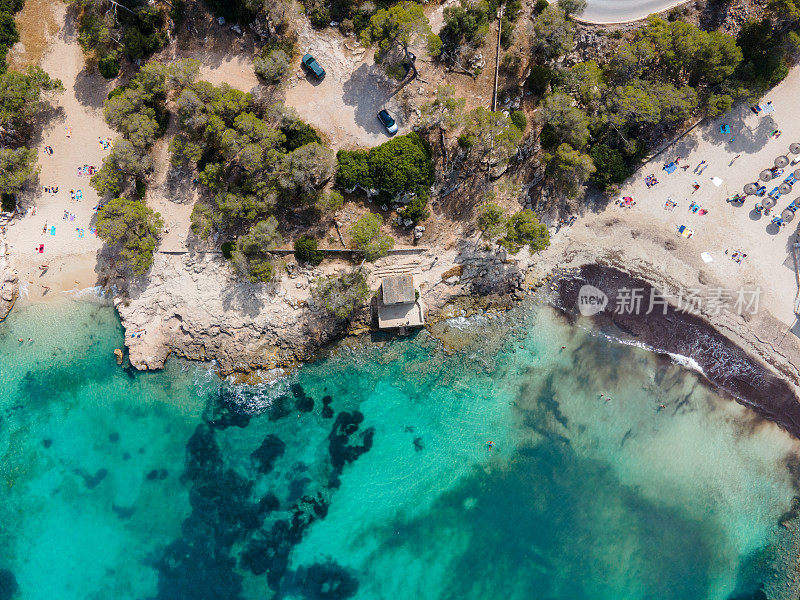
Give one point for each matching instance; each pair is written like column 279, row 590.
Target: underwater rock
column 324, row 581
column 91, row 481
column 123, row 512
column 267, row 453
column 8, row 585
column 339, row 447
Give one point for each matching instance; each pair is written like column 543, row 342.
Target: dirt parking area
column 343, row 106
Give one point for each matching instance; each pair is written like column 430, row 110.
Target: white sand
column 725, row 226
column 71, row 258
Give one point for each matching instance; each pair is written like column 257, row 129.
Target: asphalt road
column 614, row 11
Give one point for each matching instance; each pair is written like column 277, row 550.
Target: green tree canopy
column 305, row 170
column 366, row 234
column 17, row 167
column 403, row 164
column 492, row 134
column 490, row 220
column 20, row 100
column 569, row 169
column 553, row 33
column 524, row 229
column 566, row 122
column 395, row 28
column 252, row 258
column 133, row 228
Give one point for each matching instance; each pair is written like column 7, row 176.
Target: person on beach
column 734, row 158
column 695, row 186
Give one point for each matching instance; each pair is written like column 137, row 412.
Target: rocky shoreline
column 9, row 290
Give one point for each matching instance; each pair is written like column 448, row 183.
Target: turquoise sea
column 368, row 474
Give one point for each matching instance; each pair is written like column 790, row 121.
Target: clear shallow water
column 367, row 475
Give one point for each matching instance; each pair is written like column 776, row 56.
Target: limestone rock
column 9, row 289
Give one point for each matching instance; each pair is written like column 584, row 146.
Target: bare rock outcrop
column 192, row 305
column 9, row 289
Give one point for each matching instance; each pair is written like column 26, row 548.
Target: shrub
column 273, row 66
column 511, row 63
column 539, row 79
column 8, row 203
column 466, row 141
column 228, row 249
column 519, row 119
column 141, row 189
column 305, row 250
column 8, row 30
column 108, row 65
column 540, row 6
column 330, row 202
column 417, row 209
column 341, row 296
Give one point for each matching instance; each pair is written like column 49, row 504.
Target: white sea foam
column 685, row 361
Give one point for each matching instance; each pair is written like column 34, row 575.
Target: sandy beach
column 642, row 239
column 63, row 226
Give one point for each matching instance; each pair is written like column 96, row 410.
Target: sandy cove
column 191, row 304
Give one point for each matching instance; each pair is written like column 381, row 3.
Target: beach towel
column 768, row 109
column 71, row 217
column 670, row 168
column 716, row 181
column 724, row 128
column 80, row 233
column 52, row 230
column 41, row 248
column 706, row 257
column 79, row 195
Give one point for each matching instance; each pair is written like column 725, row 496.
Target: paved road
column 613, row 11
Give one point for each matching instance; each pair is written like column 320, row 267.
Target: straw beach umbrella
column 796, row 173
column 781, row 161
column 794, row 148
column 765, row 175
column 769, row 202
column 784, row 188
column 787, row 215
column 750, row 188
